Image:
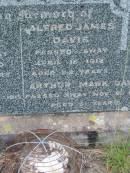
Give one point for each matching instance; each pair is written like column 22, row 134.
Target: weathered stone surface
column 107, row 125
column 72, row 122
column 64, row 56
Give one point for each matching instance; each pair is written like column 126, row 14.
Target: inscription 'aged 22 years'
column 59, row 56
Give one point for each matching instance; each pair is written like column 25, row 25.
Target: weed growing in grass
column 118, row 157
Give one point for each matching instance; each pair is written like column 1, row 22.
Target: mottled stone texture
column 57, row 57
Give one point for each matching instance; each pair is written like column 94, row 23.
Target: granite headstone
column 64, row 56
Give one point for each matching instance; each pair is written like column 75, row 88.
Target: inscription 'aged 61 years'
column 64, row 56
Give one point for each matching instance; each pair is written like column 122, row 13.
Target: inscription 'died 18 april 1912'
column 63, row 56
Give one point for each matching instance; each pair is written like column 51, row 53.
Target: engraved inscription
column 63, row 58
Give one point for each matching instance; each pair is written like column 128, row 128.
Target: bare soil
column 92, row 163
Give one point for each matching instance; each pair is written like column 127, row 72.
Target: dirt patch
column 80, row 160
column 41, row 151
column 94, row 161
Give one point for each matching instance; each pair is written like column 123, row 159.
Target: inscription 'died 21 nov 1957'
column 64, row 56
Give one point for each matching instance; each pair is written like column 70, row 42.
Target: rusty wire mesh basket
column 42, row 151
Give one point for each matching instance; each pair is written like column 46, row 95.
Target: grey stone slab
column 64, row 56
